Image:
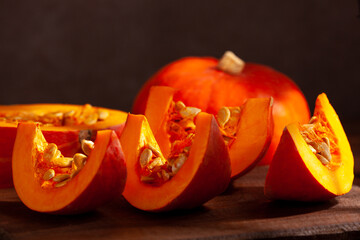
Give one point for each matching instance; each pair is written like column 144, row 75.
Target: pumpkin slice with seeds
column 63, row 124
column 247, row 129
column 46, row 181
column 196, row 169
column 313, row 161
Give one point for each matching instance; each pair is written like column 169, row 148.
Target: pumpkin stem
column 230, row 63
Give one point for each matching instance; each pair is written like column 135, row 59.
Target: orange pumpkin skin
column 255, row 128
column 201, row 84
column 66, row 137
column 296, row 174
column 101, row 179
column 205, row 174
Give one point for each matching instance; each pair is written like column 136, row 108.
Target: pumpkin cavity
column 87, row 115
column 52, row 168
column 180, row 126
column 228, row 120
column 322, row 141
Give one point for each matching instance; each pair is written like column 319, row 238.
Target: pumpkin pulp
column 180, row 127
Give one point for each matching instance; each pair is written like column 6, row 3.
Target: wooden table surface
column 242, row 212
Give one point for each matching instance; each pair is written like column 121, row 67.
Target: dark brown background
column 102, row 51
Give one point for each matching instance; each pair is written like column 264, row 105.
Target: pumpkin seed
column 87, row 146
column 189, row 112
column 69, row 113
column 62, row 161
column 308, row 127
column 322, row 159
column 103, row 114
column 75, row 172
column 165, row 175
column 145, row 157
column 326, row 140
column 178, row 163
column 146, row 179
column 50, row 152
column 91, row 119
column 57, row 154
column 313, row 120
column 156, row 152
column 187, row 123
column 52, row 115
column 223, row 116
column 61, row 177
column 157, row 162
column 61, row 184
column 235, row 114
column 322, row 148
column 179, row 105
column 79, row 160
column 49, row 174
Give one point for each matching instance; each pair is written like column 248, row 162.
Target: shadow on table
column 241, row 204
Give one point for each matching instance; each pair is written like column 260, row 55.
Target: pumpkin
column 62, row 124
column 313, row 161
column 46, row 181
column 209, row 84
column 247, row 129
column 197, row 169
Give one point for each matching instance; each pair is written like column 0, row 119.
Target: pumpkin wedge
column 313, row 161
column 197, row 169
column 247, row 129
column 46, row 181
column 62, row 124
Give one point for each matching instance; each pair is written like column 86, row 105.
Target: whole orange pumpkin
column 210, row 84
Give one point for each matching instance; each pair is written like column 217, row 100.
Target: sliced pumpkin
column 196, row 170
column 46, row 181
column 313, row 161
column 62, row 124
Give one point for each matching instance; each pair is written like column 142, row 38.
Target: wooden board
column 240, row 213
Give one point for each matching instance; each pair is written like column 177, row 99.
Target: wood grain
column 242, row 212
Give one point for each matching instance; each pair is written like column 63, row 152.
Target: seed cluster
column 228, row 119
column 88, row 115
column 181, row 128
column 181, row 121
column 60, row 169
column 153, row 165
column 320, row 140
